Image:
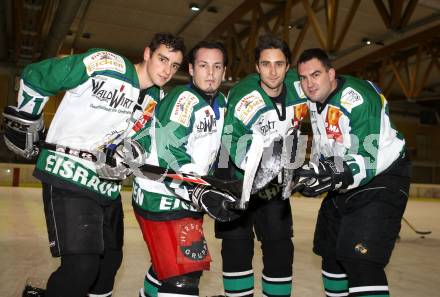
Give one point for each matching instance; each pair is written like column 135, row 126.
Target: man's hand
column 329, row 174
column 23, row 132
column 116, row 162
column 219, row 205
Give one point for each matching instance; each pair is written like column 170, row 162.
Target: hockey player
column 186, row 138
column 361, row 163
column 103, row 103
column 263, row 109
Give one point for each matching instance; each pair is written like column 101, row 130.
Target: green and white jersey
column 354, row 123
column 186, row 138
column 101, row 105
column 253, row 114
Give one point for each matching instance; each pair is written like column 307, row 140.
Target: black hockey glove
column 23, row 132
column 328, row 175
column 219, row 205
column 116, row 162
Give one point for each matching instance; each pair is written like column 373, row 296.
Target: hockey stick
column 233, row 186
column 414, row 229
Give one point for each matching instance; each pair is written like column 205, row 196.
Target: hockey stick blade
column 414, row 229
column 233, row 186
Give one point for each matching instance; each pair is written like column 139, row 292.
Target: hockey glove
column 23, row 132
column 328, row 175
column 116, row 162
column 219, row 205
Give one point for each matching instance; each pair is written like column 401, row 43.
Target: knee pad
column 277, row 257
column 237, row 254
column 81, row 266
column 365, row 274
column 187, row 284
column 75, row 276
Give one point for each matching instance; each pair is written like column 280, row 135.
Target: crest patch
column 350, row 99
column 104, row 60
column 183, row 108
column 248, row 107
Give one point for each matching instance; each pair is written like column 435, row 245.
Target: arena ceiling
column 395, row 43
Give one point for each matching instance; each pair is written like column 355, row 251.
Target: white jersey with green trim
column 354, row 124
column 101, row 105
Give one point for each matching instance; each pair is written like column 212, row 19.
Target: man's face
column 162, row 64
column 208, row 69
column 316, row 81
column 272, row 68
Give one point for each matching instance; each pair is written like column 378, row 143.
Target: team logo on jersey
column 299, row 113
column 104, row 60
column 183, row 108
column 298, row 89
column 332, row 124
column 191, row 241
column 350, row 99
column 248, row 106
column 115, row 98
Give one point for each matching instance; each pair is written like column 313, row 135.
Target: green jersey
column 186, row 138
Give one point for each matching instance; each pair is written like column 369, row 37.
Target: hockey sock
column 238, row 276
column 110, row 262
column 334, row 278
column 74, row 277
column 366, row 279
column 151, row 283
column 277, row 272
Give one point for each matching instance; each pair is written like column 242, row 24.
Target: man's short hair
column 210, row 44
column 315, row 53
column 169, row 40
column 271, row 42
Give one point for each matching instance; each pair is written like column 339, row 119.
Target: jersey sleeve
column 49, row 77
column 363, row 107
column 238, row 135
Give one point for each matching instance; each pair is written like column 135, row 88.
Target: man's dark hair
column 211, row 44
column 313, row 53
column 169, row 40
column 271, row 42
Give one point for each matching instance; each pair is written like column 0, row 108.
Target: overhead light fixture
column 194, row 7
column 367, row 41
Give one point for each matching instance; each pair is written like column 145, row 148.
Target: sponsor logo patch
column 192, row 243
column 183, row 108
column 115, row 97
column 147, row 115
column 299, row 113
column 208, row 124
column 298, row 89
column 350, row 99
column 332, row 124
column 248, row 106
column 266, row 126
column 104, row 60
